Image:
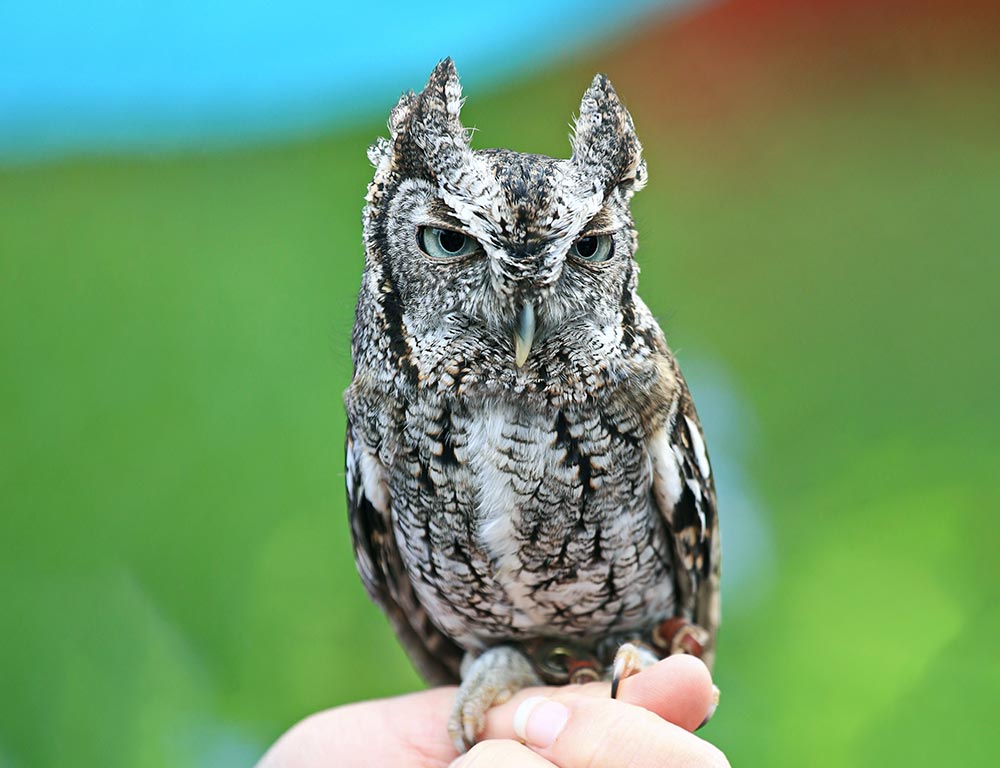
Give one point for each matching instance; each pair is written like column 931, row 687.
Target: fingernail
column 539, row 721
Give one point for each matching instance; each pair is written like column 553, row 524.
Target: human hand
column 573, row 726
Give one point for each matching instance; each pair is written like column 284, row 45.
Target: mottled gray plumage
column 493, row 503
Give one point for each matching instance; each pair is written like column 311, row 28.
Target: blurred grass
column 177, row 578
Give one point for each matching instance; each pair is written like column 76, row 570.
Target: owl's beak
column 524, row 333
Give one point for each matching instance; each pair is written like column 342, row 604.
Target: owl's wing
column 684, row 492
column 377, row 557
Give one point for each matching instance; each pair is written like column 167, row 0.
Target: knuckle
column 628, row 744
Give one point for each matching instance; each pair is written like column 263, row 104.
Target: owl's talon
column 629, row 659
column 487, row 681
column 472, row 726
column 711, row 709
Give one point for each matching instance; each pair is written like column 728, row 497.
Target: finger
column 386, row 731
column 582, row 731
column 678, row 689
column 501, row 753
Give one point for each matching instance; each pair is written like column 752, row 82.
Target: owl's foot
column 629, row 659
column 487, row 680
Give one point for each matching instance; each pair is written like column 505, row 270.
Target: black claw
column 614, row 686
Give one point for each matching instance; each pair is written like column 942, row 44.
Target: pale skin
column 650, row 724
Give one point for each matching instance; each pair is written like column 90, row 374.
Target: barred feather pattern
column 570, row 497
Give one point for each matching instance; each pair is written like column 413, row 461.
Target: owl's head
column 527, row 253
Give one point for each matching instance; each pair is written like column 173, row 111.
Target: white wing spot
column 665, row 469
column 699, row 448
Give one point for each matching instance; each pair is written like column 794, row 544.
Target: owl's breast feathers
column 490, row 506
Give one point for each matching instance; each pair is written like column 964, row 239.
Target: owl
column 530, row 496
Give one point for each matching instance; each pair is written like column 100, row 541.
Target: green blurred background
column 820, row 238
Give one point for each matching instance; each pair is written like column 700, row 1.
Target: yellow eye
column 445, row 243
column 593, row 248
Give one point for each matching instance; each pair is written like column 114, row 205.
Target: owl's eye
column 593, row 248
column 445, row 243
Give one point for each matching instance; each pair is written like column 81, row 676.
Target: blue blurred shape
column 109, row 75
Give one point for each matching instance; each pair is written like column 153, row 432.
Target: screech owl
column 529, row 490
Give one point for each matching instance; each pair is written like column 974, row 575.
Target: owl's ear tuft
column 437, row 108
column 427, row 135
column 434, row 111
column 604, row 139
column 443, row 90
column 400, row 115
